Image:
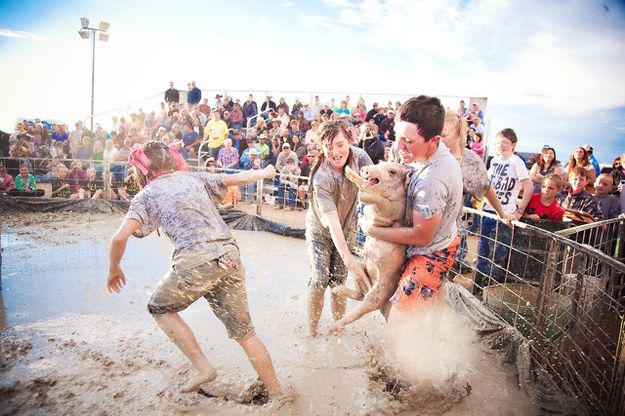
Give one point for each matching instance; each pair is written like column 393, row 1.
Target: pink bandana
column 138, row 159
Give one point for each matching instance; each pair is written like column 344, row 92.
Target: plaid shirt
column 582, row 201
column 228, row 157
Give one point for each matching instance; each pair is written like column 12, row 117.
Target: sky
column 553, row 71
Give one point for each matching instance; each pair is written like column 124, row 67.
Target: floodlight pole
column 90, row 32
column 92, row 74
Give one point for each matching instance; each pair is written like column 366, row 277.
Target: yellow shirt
column 216, row 131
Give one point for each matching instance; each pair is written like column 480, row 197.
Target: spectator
column 477, row 146
column 579, row 158
column 130, row 187
column 172, row 95
column 387, row 127
column 311, row 135
column 371, row 113
column 298, row 147
column 378, row 118
column 543, row 205
column 284, row 155
column 263, row 149
column 57, row 151
column 343, row 111
column 462, row 109
column 546, row 164
column 250, row 109
column 315, row 109
column 275, row 129
column 25, row 184
column 93, row 188
column 194, row 95
column 6, row 181
column 508, row 176
column 303, row 124
column 475, row 107
column 261, row 125
column 577, row 201
column 76, row 179
column 609, row 204
column 236, row 116
column 83, row 152
column 371, row 143
column 110, row 151
column 228, row 103
column 618, row 169
column 59, row 133
column 297, row 107
column 226, row 118
column 215, row 132
column 75, row 138
column 228, row 157
column 268, row 105
column 591, row 158
column 190, row 141
column 284, row 106
column 287, row 189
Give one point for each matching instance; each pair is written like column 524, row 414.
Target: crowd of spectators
column 235, row 134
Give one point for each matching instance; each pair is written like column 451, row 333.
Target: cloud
column 19, row 34
column 568, row 55
column 264, row 22
column 286, row 3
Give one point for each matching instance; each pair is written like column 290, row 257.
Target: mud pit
column 70, row 347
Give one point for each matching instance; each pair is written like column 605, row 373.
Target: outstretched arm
column 116, row 279
column 250, row 176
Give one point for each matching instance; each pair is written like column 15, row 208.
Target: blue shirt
column 190, row 138
column 595, row 165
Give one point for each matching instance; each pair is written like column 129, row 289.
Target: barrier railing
column 566, row 297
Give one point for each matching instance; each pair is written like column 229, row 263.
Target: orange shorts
column 421, row 278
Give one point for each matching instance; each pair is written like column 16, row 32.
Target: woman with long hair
column 331, row 220
column 475, row 180
column 580, row 158
column 546, row 164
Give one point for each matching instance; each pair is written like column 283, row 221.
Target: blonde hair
column 459, row 124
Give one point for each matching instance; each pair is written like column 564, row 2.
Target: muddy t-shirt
column 184, row 206
column 331, row 192
column 435, row 188
column 505, row 177
column 475, row 180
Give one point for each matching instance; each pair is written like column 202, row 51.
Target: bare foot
column 194, row 384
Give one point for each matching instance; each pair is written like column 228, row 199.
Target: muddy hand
column 336, row 327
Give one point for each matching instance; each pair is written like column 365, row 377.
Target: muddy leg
column 339, row 304
column 315, row 307
column 261, row 361
column 179, row 332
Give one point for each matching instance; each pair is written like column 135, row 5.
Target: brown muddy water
column 67, row 346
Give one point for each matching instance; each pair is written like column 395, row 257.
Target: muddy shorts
column 220, row 284
column 422, row 277
column 326, row 266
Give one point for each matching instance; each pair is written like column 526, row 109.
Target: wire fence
column 564, row 291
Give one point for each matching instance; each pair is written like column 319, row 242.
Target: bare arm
column 117, row 279
column 331, row 218
column 250, row 176
column 420, row 234
column 527, row 194
column 494, row 202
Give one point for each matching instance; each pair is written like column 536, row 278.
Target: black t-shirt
column 375, row 150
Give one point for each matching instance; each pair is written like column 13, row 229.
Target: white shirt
column 505, row 177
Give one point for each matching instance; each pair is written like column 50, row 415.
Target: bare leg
column 339, row 304
column 261, row 361
column 315, row 306
column 179, row 332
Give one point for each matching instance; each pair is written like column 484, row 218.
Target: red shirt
column 553, row 212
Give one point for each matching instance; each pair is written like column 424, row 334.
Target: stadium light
column 89, row 33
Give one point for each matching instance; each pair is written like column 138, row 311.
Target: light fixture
column 104, row 26
column 84, row 22
column 84, row 34
column 104, row 37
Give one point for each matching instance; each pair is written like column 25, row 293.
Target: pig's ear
column 407, row 175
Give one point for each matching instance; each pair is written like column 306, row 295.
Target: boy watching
column 543, row 204
column 508, row 175
column 576, row 200
column 609, row 204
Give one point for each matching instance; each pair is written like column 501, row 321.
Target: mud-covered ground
column 67, row 346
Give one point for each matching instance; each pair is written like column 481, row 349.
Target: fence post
column 545, row 290
column 259, row 197
column 620, row 241
column 617, row 393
